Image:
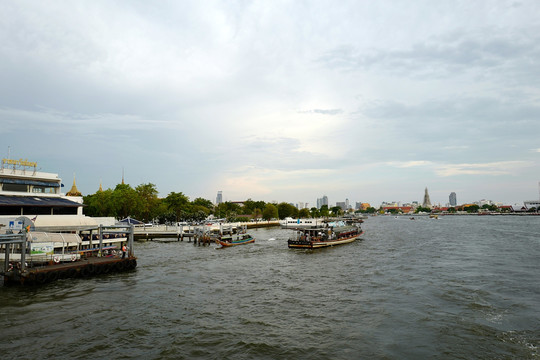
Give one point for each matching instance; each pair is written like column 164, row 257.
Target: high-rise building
column 219, row 198
column 322, row 201
column 427, row 201
column 452, row 198
column 341, row 204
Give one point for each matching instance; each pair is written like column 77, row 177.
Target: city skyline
column 324, row 200
column 284, row 101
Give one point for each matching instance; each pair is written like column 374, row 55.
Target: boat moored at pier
column 290, row 223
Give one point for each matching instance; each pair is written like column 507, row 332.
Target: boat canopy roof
column 343, row 229
column 338, row 229
column 38, row 237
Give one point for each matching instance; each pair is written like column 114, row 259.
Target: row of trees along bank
column 143, row 203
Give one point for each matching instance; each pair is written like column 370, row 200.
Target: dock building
column 30, row 195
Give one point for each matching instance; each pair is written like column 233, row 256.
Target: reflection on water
column 457, row 287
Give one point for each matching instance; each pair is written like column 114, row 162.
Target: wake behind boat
column 333, row 234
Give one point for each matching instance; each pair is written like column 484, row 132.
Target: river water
column 461, row 287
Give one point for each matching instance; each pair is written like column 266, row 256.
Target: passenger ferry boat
column 331, row 235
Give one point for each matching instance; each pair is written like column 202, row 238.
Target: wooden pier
column 29, row 269
column 190, row 232
column 78, row 269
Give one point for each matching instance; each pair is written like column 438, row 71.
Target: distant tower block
column 453, row 199
column 427, row 202
column 219, row 197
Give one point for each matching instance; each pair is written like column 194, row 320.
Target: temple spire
column 100, row 187
column 74, row 191
column 427, row 201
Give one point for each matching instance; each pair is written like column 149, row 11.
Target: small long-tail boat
column 233, row 240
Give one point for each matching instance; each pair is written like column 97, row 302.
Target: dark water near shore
column 453, row 288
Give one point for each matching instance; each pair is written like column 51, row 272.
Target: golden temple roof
column 74, row 191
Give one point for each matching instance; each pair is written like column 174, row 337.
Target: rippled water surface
column 453, row 288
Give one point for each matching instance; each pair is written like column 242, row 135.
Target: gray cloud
column 187, row 94
column 510, row 57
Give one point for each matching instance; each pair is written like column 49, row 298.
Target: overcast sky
column 277, row 100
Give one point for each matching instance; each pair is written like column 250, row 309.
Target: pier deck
column 47, row 272
column 181, row 232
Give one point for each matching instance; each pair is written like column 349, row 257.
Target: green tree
column 287, row 210
column 324, row 211
column 149, row 202
column 336, row 211
column 270, row 212
column 371, row 210
column 178, row 203
column 472, row 208
column 228, row 210
column 126, row 201
column 203, row 202
column 200, row 209
column 257, row 213
column 452, row 210
column 99, row 204
column 315, row 212
column 167, row 217
column 304, row 213
column 249, row 206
